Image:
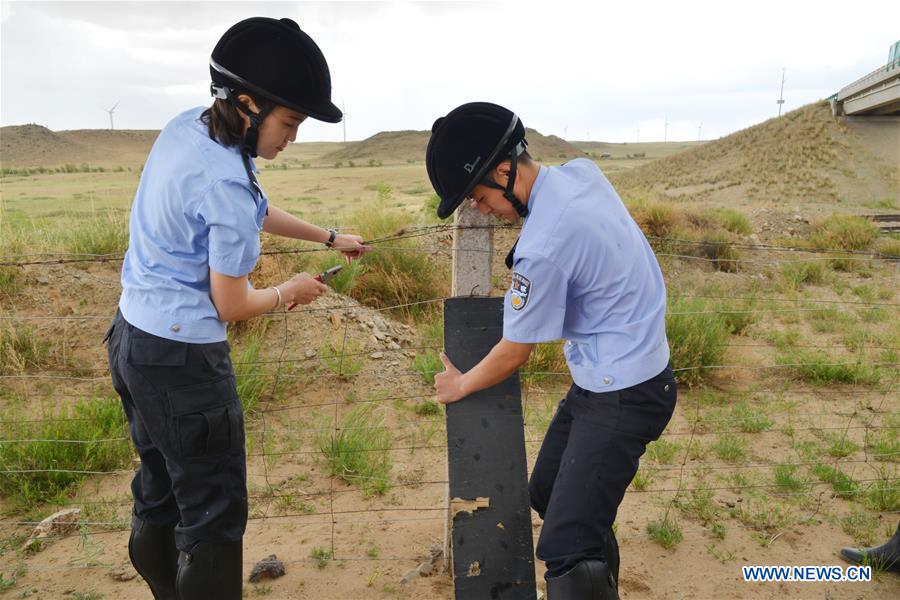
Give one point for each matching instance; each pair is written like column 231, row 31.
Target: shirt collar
column 536, row 187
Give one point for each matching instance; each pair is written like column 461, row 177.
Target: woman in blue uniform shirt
column 583, row 272
column 194, row 238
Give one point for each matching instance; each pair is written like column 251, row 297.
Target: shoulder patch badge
column 521, row 286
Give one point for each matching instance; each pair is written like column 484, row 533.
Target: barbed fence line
column 271, row 405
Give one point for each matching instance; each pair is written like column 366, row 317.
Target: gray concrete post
column 472, row 252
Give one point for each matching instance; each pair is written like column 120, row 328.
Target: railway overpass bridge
column 878, row 93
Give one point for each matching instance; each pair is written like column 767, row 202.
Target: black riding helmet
column 275, row 59
column 465, row 145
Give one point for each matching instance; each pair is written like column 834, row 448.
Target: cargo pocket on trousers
column 207, row 418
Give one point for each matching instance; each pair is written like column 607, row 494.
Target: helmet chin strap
column 251, row 136
column 520, row 208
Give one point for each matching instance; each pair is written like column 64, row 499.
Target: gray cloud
column 586, row 68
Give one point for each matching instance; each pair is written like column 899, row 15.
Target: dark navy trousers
column 589, row 456
column 187, row 426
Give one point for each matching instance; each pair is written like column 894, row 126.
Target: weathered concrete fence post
column 490, row 518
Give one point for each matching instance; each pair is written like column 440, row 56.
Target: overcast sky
column 598, row 70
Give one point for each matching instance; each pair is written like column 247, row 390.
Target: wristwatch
column 332, row 234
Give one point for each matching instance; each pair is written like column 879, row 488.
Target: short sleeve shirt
column 195, row 209
column 584, row 272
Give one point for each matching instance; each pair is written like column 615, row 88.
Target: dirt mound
column 35, row 145
column 805, row 155
column 409, row 146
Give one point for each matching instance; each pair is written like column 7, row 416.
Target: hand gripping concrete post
column 489, row 515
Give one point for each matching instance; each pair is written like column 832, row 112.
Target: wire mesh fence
column 836, row 439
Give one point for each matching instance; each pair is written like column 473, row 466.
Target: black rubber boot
column 588, row 580
column 152, row 551
column 210, row 571
column 885, row 557
column 611, row 554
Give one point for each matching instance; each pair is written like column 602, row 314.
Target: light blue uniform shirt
column 584, row 272
column 195, row 209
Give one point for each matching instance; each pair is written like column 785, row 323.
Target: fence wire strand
column 678, row 479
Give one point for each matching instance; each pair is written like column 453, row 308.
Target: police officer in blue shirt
column 194, row 237
column 583, row 272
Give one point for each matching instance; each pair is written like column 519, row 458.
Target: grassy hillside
column 806, row 155
column 36, row 146
column 410, row 146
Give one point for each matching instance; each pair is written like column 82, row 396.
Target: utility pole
column 565, row 132
column 639, row 135
column 666, row 131
column 344, row 120
column 781, row 94
column 700, row 132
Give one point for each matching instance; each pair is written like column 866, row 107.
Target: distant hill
column 805, row 155
column 405, row 146
column 35, row 145
column 648, row 150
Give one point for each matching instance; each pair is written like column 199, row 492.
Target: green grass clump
column 430, row 207
column 343, row 357
column 101, row 235
column 431, row 339
column 321, row 556
column 796, row 274
column 428, row 365
column 91, row 420
column 357, row 450
column 397, row 273
column 428, row 408
column 734, row 221
column 843, row 485
column 21, row 350
column 871, row 292
column 697, row 336
column 642, row 479
column 739, row 318
column 749, row 419
column 719, row 249
column 840, row 446
column 666, row 531
column 787, row 480
column 11, row 281
column 762, row 513
column 888, row 247
column 699, row 504
column 861, row 527
column 830, row 320
column 884, row 444
column 250, row 375
column 822, row 369
column 883, row 494
column 659, row 219
column 344, row 281
column 845, row 232
column 730, row 447
column 663, row 451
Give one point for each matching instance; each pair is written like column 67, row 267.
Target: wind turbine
column 111, row 111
